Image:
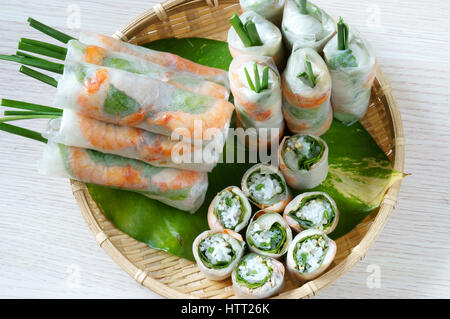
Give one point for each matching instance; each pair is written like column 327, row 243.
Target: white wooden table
column 47, row 250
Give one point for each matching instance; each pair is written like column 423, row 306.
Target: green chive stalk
column 247, row 33
column 342, row 34
column 27, row 117
column 260, row 84
column 303, row 6
column 38, row 76
column 22, row 132
column 308, row 76
column 28, row 113
column 52, row 47
column 34, row 61
column 62, row 37
column 30, row 106
column 41, row 50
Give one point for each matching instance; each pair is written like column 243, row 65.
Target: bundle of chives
column 309, row 74
column 247, row 33
column 259, row 85
column 342, row 34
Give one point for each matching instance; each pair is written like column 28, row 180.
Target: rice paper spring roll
column 268, row 234
column 315, row 210
column 218, row 252
column 303, row 160
column 79, row 52
column 306, row 85
column 352, row 64
column 305, row 25
column 229, row 209
column 74, row 129
column 265, row 186
column 272, row 10
column 255, row 83
column 124, row 98
column 310, row 254
column 257, row 276
column 166, row 59
column 264, row 40
column 181, row 189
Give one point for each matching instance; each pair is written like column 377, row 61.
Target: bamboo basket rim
column 161, row 12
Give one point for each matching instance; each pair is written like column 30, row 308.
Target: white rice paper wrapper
column 306, row 110
column 351, row 85
column 74, row 129
column 272, row 10
column 223, row 273
column 305, row 179
column 270, row 36
column 300, row 277
column 311, row 30
column 53, row 163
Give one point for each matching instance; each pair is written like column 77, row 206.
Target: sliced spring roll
column 306, row 85
column 217, row 252
column 268, row 234
column 257, row 276
column 181, row 189
column 79, row 52
column 255, row 83
column 124, row 98
column 312, row 210
column 168, row 60
column 303, row 160
column 309, row 255
column 264, row 186
column 270, row 39
column 229, row 209
column 305, row 25
column 352, row 67
column 74, row 129
column 272, row 10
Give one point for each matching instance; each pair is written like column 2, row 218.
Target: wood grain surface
column 47, row 250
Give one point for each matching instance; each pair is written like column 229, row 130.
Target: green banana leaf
column 359, row 175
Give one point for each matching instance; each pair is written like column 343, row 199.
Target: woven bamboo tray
column 175, row 277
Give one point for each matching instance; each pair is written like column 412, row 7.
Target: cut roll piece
column 257, row 276
column 74, row 129
column 268, row 234
column 305, row 25
column 181, row 189
column 272, row 10
column 255, row 83
column 217, row 252
column 270, row 39
column 312, row 210
column 229, row 209
column 79, row 52
column 303, row 160
column 264, row 186
column 352, row 64
column 166, row 59
column 306, row 85
column 309, row 255
column 124, row 98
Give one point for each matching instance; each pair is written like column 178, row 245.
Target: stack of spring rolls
column 137, row 119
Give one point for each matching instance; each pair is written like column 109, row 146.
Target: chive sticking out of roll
column 305, row 25
column 257, row 276
column 269, row 36
column 265, row 186
column 312, row 210
column 306, row 85
column 309, row 255
column 268, row 234
column 229, row 209
column 352, row 64
column 303, row 160
column 272, row 10
column 217, row 252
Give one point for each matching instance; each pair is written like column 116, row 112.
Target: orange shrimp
column 172, row 179
column 94, row 55
column 215, row 117
column 94, row 84
column 85, row 169
column 107, row 136
column 307, row 102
